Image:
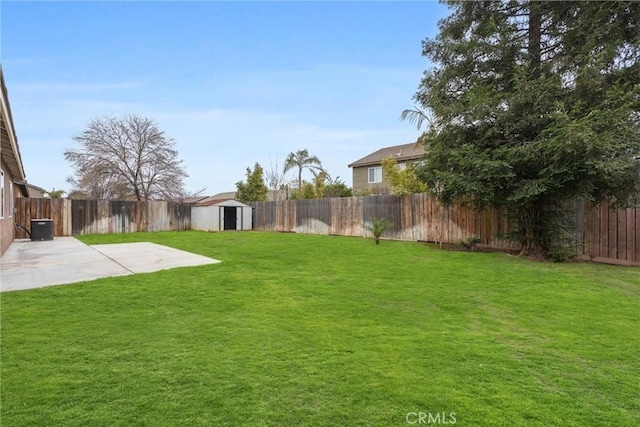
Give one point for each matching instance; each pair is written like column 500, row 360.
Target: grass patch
column 314, row 330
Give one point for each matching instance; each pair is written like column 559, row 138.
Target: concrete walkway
column 28, row 264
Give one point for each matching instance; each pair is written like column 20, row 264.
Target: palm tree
column 302, row 160
column 417, row 117
column 54, row 194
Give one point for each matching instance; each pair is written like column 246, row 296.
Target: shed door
column 230, row 218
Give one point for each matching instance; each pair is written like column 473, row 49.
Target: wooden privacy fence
column 611, row 236
column 608, row 235
column 57, row 209
column 412, row 217
column 72, row 217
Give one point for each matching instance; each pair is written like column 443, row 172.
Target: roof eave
column 379, row 162
column 9, row 138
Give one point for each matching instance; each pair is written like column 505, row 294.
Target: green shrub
column 471, row 242
column 377, row 227
column 562, row 253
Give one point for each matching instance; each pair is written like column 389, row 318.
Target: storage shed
column 224, row 215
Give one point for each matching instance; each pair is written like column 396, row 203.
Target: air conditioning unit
column 41, row 229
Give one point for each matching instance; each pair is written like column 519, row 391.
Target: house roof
column 192, row 200
column 401, row 153
column 36, row 188
column 35, row 191
column 10, row 149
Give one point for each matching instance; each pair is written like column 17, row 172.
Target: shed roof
column 218, row 202
column 193, row 200
column 216, row 198
column 401, row 153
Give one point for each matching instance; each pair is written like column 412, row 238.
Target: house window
column 1, row 193
column 10, row 199
column 375, row 174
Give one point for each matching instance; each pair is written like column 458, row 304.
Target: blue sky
column 233, row 83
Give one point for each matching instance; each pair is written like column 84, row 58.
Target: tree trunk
column 530, row 215
column 535, row 29
column 530, row 219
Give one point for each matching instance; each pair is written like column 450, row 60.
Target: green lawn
column 297, row 330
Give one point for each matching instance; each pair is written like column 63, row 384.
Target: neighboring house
column 12, row 177
column 192, row 200
column 35, row 192
column 367, row 172
column 272, row 195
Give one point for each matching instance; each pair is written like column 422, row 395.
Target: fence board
column 636, row 235
column 612, row 250
column 621, row 238
column 604, row 232
column 594, row 243
column 631, row 235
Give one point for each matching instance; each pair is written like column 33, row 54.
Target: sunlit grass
column 314, row 330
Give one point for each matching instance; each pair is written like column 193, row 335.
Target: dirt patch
column 461, row 248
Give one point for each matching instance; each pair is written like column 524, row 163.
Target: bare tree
column 99, row 183
column 126, row 156
column 274, row 177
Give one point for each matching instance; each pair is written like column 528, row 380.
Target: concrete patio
column 28, row 264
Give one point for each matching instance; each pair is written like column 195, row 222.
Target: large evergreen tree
column 254, row 190
column 532, row 104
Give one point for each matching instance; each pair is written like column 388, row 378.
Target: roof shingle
column 401, row 153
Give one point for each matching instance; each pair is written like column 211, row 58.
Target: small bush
column 362, row 192
column 471, row 242
column 377, row 227
column 562, row 253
